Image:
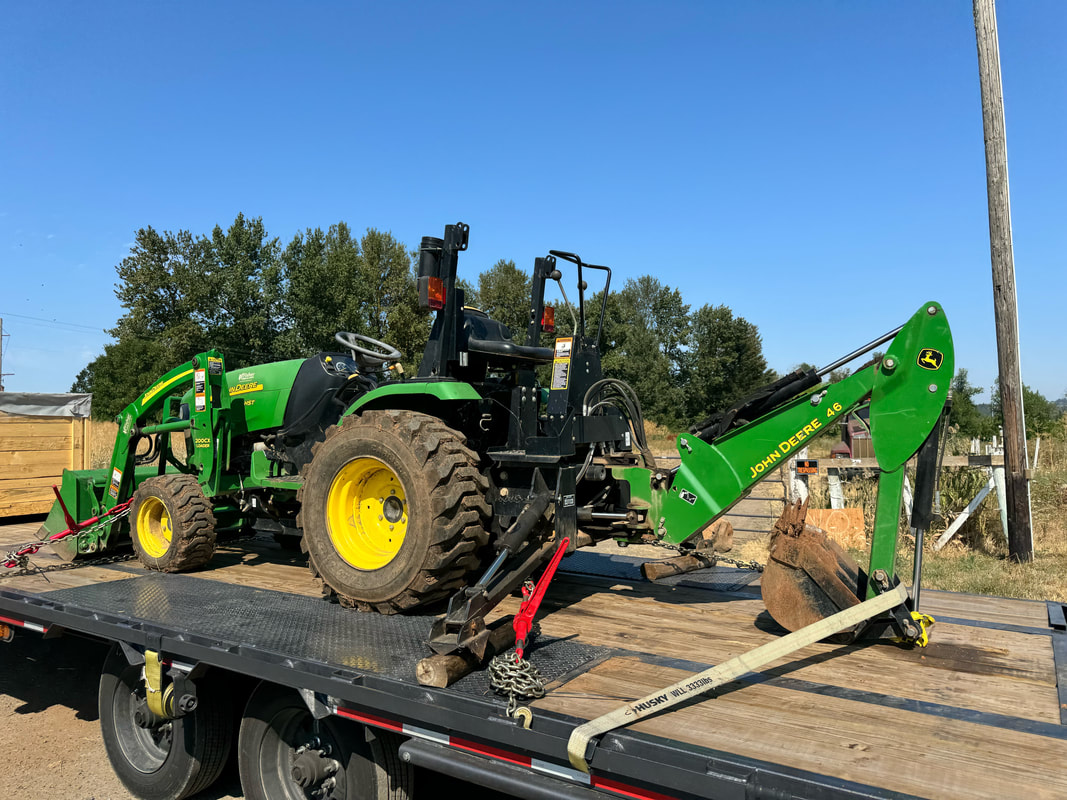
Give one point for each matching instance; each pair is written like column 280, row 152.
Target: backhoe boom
column 906, row 389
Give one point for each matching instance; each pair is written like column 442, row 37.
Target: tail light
column 548, row 320
column 431, row 293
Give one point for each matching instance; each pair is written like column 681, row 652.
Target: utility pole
column 1005, row 303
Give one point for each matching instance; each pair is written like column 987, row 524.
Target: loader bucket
column 81, row 491
column 808, row 576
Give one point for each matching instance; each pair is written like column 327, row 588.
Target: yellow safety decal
column 159, row 387
column 561, row 364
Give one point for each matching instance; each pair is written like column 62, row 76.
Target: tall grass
column 976, row 559
column 102, row 444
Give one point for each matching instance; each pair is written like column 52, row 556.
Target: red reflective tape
column 492, row 752
column 370, row 719
column 12, row 621
column 626, row 790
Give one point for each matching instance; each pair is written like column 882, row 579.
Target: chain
column 753, row 565
column 515, row 677
column 23, row 566
column 20, row 557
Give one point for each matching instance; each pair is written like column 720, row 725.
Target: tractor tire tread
column 193, row 534
column 457, row 487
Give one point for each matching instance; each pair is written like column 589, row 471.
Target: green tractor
column 459, row 482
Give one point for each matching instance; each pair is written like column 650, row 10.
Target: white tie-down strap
column 730, row 670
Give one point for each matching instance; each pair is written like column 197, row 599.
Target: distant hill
column 1061, row 404
column 985, row 409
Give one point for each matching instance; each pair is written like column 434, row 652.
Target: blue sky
column 818, row 167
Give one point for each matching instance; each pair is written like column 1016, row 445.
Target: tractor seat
column 492, row 339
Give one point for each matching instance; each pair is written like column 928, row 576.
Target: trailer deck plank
column 902, row 751
column 993, row 671
column 978, row 713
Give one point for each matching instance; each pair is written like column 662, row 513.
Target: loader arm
column 907, row 390
column 205, row 373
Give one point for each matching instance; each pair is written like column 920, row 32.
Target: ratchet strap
column 751, row 661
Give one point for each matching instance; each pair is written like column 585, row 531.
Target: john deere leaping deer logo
column 930, row 358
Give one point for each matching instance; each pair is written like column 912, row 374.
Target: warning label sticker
column 200, row 389
column 116, row 479
column 214, row 365
column 561, row 373
column 561, row 364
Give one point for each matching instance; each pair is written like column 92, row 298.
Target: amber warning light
column 548, row 320
column 431, row 293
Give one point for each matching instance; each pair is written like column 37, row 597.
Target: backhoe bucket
column 809, row 576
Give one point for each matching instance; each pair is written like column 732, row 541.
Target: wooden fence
column 34, row 451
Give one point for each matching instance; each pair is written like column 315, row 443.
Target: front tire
column 283, row 753
column 174, row 759
column 173, row 526
column 393, row 511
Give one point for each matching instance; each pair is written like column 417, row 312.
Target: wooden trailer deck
column 981, row 712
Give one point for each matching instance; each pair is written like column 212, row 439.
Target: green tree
column 965, row 415
column 129, row 362
column 504, row 294
column 333, row 282
column 1040, row 412
column 322, row 293
column 183, row 294
column 645, row 337
column 726, row 361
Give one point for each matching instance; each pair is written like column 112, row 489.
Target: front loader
column 458, row 483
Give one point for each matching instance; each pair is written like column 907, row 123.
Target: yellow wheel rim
column 367, row 513
column 153, row 527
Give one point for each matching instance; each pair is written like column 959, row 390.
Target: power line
column 55, row 323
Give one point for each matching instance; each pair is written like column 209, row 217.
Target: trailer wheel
column 283, row 753
column 393, row 511
column 169, row 761
column 173, row 526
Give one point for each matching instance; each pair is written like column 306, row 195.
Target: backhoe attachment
column 809, row 576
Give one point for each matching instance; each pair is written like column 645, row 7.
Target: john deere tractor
column 459, row 482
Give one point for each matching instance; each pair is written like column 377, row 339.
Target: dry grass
column 976, row 559
column 102, row 443
column 661, row 439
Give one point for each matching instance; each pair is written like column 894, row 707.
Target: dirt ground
column 50, row 730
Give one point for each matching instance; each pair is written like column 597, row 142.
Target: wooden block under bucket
column 843, row 525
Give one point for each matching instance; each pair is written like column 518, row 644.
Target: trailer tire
column 277, row 722
column 175, row 760
column 173, row 527
column 386, row 468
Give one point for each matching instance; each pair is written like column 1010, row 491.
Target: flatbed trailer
column 981, row 712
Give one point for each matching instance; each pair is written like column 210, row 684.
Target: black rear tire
column 172, row 524
column 173, row 760
column 445, row 506
column 277, row 723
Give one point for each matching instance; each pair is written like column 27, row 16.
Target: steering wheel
column 382, row 354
